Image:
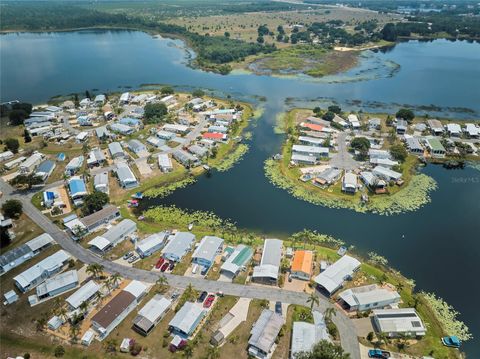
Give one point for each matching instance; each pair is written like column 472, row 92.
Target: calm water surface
column 440, row 248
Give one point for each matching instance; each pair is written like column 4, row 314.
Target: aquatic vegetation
column 377, row 259
column 313, row 237
column 159, row 192
column 232, row 158
column 248, row 135
column 447, row 316
column 176, row 217
column 410, row 198
column 280, row 120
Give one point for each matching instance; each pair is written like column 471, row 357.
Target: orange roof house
column 312, row 126
column 302, row 265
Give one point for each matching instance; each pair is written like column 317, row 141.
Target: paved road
column 342, row 159
column 345, row 326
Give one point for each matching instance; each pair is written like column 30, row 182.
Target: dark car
column 278, row 308
column 204, row 270
column 202, row 296
column 171, row 266
column 160, row 262
column 164, row 267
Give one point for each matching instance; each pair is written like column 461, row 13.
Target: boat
column 138, row 195
column 141, row 218
column 132, row 203
column 451, row 341
column 342, row 250
column 190, row 226
column 206, row 167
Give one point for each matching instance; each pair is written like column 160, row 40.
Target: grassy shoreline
column 410, row 197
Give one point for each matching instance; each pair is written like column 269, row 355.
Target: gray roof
column 187, row 317
column 208, row 248
column 58, row 282
column 265, row 330
column 102, row 131
column 179, row 244
column 46, row 166
column 115, row 148
column 151, row 241
column 368, row 294
column 152, row 312
column 100, row 179
column 125, row 226
column 332, row 278
column 99, row 216
column 136, row 145
column 124, row 173
column 271, row 257
column 403, row 320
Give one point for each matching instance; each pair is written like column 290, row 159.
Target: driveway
column 345, row 326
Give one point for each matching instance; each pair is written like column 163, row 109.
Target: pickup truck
column 377, row 353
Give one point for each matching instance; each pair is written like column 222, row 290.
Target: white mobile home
column 332, row 278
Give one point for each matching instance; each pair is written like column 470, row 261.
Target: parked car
column 209, row 301
column 127, row 255
column 194, row 268
column 171, row 266
column 278, row 308
column 204, row 270
column 132, row 259
column 377, row 353
column 175, row 295
column 160, row 262
column 202, row 296
column 164, row 267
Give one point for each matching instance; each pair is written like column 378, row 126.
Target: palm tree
column 162, row 283
column 62, row 313
column 74, row 330
column 313, row 300
column 382, row 338
column 329, row 314
column 95, row 269
column 84, row 306
column 400, row 287
column 188, row 351
column 115, row 279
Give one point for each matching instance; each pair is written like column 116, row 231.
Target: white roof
column 136, row 288
column 84, row 293
column 175, row 127
column 311, row 139
column 373, row 153
column 40, row 241
column 472, row 129
column 454, row 128
column 179, row 244
column 125, row 226
column 208, row 248
column 88, row 336
column 164, row 160
column 350, row 179
column 368, row 294
column 332, row 278
column 271, row 257
column 115, row 148
column 303, row 158
column 310, row 149
column 265, row 330
column 386, row 173
column 399, row 320
column 303, row 337
column 187, row 317
column 99, row 242
column 151, row 241
column 155, row 308
column 49, row 264
column 125, row 174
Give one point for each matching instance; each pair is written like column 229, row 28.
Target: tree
column 29, row 180
column 26, row 356
column 12, row 208
column 405, row 114
column 361, row 144
column 95, row 269
column 328, row 116
column 26, row 136
column 12, row 144
column 87, row 95
column 389, row 32
column 313, row 300
column 317, row 110
column 260, row 39
column 83, row 306
column 155, row 112
column 59, row 351
column 167, row 90
column 188, row 351
column 370, row 336
column 213, row 353
column 135, row 349
column 198, row 93
column 5, row 238
column 324, row 350
column 115, row 279
column 329, row 314
column 226, row 34
column 398, row 152
column 162, row 283
column 335, row 109
column 17, row 117
column 94, row 202
column 263, row 30
column 74, row 330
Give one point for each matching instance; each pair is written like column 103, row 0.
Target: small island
column 366, row 162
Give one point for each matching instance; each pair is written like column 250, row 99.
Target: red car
column 164, row 267
column 160, row 262
column 209, row 301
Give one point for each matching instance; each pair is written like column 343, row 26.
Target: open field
column 244, row 26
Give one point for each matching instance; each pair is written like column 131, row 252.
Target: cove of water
column 438, row 245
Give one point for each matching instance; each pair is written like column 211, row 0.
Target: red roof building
column 216, row 136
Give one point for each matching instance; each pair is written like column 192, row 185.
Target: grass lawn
column 25, row 229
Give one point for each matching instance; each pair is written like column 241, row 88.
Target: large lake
column 438, row 246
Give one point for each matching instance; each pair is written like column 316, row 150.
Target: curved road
column 345, row 326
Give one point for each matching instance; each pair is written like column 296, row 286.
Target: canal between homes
column 438, row 245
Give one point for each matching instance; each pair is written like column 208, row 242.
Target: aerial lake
column 438, row 245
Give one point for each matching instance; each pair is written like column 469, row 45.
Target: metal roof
column 58, row 282
column 208, row 248
column 271, row 257
column 265, row 330
column 332, row 278
column 179, row 244
column 84, row 293
column 119, row 230
column 187, row 317
column 240, row 256
column 398, row 320
column 116, row 306
column 115, row 148
column 136, row 288
column 151, row 241
column 368, row 294
column 125, row 174
column 99, row 216
column 100, row 179
column 152, row 312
